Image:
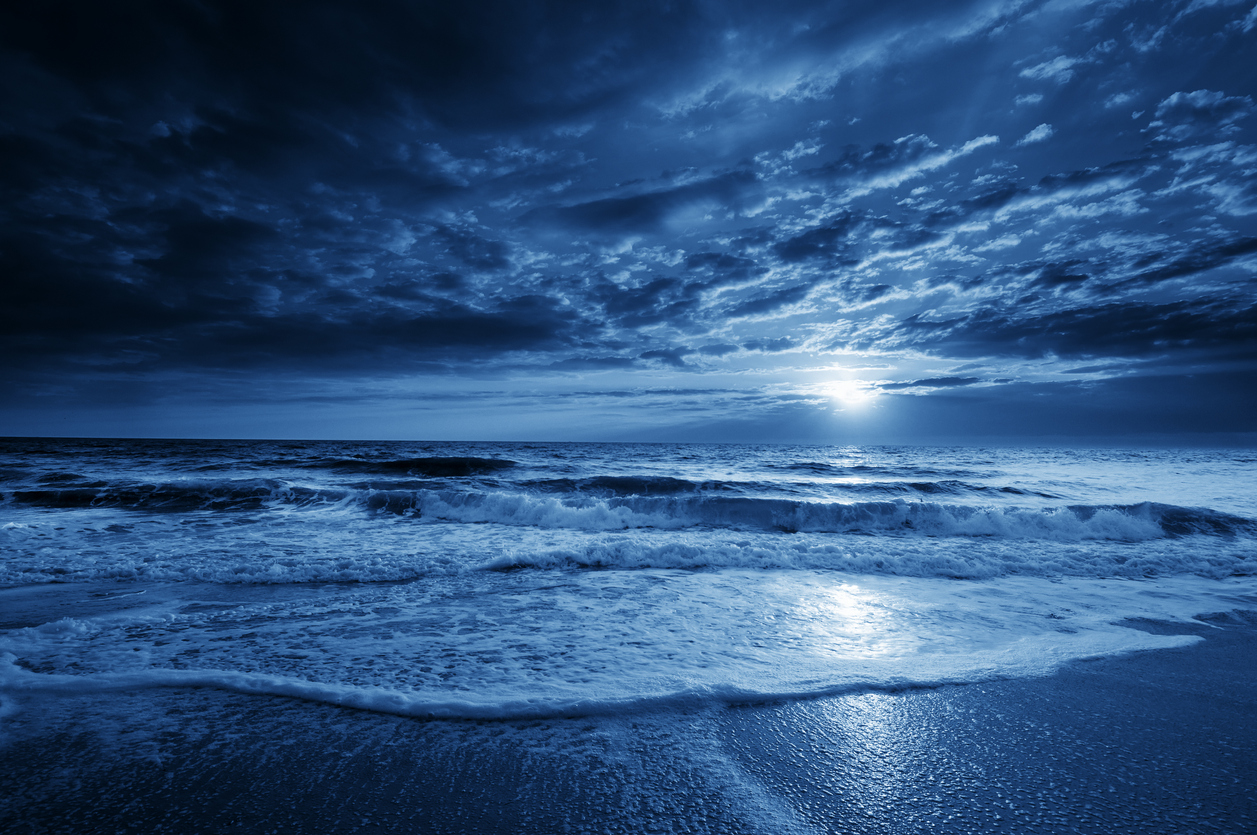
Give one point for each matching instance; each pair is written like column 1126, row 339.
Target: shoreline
column 1154, row 741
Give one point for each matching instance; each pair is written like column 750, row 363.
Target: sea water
column 511, row 581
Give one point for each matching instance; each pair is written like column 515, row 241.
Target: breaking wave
column 620, row 503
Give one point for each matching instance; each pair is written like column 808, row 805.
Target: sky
column 902, row 221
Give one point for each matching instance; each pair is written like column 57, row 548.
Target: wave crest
column 607, row 504
column 1072, row 523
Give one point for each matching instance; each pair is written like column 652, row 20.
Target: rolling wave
column 619, row 503
column 432, row 467
column 177, row 497
column 1067, row 523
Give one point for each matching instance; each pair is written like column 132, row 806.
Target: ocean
column 565, row 584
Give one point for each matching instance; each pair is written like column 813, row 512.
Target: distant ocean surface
column 496, row 580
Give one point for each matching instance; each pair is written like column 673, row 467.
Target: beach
column 1152, row 742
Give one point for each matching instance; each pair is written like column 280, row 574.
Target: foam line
column 15, row 680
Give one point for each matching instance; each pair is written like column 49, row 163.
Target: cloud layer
column 238, row 207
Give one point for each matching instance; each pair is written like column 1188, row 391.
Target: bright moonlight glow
column 850, row 394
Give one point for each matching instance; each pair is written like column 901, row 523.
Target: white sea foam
column 925, row 518
column 905, row 556
column 603, row 642
column 353, row 548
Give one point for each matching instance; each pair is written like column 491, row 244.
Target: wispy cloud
column 1040, row 134
column 930, row 161
column 1059, row 70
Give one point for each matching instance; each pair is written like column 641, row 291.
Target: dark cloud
column 422, row 290
column 475, row 251
column 673, row 356
column 1064, row 273
column 497, row 64
column 855, row 164
column 650, row 211
column 1202, row 258
column 931, row 383
column 1113, row 330
column 1091, row 178
column 771, row 346
column 831, row 241
column 452, row 333
column 718, row 349
column 993, row 196
column 1154, row 408
column 770, row 303
column 724, row 267
column 659, row 300
column 864, row 293
column 593, row 363
column 845, row 239
column 1199, row 113
column 201, row 251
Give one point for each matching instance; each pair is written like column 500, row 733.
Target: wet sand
column 1156, row 742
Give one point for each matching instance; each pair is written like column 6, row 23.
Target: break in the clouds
column 809, row 221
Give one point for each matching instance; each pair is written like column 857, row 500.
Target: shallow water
column 1152, row 742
